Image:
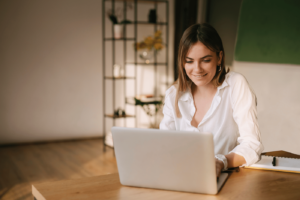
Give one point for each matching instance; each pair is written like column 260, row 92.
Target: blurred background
column 53, row 84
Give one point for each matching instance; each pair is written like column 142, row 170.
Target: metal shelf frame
column 156, row 64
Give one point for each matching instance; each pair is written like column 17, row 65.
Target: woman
column 208, row 98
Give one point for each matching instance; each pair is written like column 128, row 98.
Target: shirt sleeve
column 244, row 108
column 168, row 121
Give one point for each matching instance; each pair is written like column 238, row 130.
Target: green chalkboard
column 269, row 31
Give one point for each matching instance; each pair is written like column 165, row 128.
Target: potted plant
column 118, row 25
column 148, row 45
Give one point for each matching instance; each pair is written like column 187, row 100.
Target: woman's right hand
column 219, row 167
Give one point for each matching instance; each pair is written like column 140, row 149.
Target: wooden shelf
column 118, row 78
column 117, row 117
column 119, row 39
column 143, row 1
column 142, row 63
column 148, row 23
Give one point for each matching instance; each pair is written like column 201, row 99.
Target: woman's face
column 201, row 64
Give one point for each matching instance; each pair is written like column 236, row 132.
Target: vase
column 146, row 56
column 118, row 71
column 118, row 31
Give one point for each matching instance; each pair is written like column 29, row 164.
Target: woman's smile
column 200, row 75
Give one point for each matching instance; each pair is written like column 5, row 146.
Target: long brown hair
column 208, row 36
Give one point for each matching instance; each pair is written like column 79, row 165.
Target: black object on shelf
column 113, row 19
column 144, row 101
column 152, row 16
column 119, row 112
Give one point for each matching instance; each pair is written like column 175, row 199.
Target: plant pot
column 118, row 31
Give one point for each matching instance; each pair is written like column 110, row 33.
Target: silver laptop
column 169, row 160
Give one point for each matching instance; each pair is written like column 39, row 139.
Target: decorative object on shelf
column 118, row 31
column 149, row 45
column 147, row 102
column 118, row 26
column 118, row 71
column 146, row 55
column 121, row 72
column 152, row 16
column 119, row 112
column 117, row 15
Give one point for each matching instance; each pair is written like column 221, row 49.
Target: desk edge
column 37, row 194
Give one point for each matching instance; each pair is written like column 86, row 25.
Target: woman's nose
column 197, row 67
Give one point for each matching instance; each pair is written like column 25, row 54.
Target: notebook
column 169, row 160
column 278, row 161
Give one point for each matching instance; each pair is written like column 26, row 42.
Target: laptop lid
column 164, row 159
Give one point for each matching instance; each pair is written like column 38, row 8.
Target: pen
column 274, row 161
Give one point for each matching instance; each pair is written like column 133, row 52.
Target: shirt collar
column 224, row 84
column 188, row 94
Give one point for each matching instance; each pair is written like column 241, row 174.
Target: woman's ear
column 220, row 57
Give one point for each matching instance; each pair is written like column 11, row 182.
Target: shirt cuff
column 249, row 154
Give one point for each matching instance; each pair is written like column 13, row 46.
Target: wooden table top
column 245, row 184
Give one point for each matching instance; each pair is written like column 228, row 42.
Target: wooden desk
column 245, row 184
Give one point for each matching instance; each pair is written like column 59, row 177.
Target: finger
column 217, row 171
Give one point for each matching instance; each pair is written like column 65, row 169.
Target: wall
column 224, row 16
column 266, row 43
column 51, row 70
column 278, row 94
column 276, row 85
column 265, row 36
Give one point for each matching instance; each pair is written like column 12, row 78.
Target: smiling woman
column 200, row 64
column 208, row 98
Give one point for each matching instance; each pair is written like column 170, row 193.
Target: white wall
column 51, row 70
column 278, row 94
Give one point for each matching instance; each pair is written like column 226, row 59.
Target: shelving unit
column 135, row 62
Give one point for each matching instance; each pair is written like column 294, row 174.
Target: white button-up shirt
column 231, row 118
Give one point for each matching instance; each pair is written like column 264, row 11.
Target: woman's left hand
column 219, row 167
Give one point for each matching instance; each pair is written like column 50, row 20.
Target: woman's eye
column 188, row 61
column 206, row 61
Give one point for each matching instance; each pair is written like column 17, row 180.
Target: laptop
column 168, row 160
